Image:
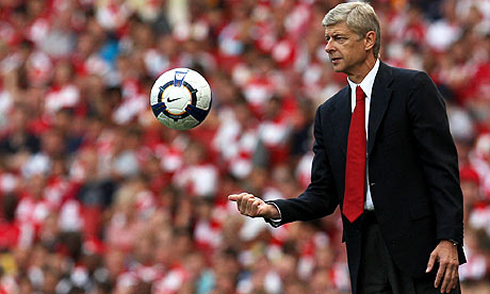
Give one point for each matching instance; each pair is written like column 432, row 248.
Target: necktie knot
column 360, row 94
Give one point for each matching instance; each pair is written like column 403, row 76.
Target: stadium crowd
column 98, row 197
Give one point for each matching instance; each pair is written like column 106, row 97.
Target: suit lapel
column 341, row 118
column 380, row 99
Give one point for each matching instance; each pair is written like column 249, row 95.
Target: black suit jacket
column 413, row 170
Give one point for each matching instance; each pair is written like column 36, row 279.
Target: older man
column 384, row 153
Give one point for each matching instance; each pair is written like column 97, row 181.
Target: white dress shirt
column 367, row 87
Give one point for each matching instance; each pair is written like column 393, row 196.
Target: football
column 181, row 98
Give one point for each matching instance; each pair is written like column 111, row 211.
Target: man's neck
column 362, row 71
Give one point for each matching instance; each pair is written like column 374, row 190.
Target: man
column 384, row 154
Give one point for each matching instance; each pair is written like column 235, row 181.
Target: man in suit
column 384, row 154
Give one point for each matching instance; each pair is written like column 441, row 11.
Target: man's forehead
column 337, row 28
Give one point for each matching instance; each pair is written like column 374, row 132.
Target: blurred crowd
column 98, row 197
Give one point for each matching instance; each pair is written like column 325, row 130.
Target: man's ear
column 369, row 40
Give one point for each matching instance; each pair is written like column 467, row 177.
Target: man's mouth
column 335, row 60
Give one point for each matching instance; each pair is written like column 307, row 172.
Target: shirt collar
column 368, row 81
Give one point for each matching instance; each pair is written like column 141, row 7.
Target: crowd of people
column 98, row 197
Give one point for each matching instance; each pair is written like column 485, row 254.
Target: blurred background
column 98, row 197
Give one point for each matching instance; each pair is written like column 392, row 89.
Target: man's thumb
column 430, row 264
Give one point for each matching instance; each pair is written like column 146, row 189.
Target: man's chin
column 337, row 68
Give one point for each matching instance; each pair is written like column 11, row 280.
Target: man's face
column 345, row 48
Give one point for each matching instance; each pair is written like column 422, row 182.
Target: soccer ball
column 181, row 98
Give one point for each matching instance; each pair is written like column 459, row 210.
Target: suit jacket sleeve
column 438, row 155
column 319, row 198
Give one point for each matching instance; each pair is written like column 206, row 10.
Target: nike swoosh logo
column 172, row 100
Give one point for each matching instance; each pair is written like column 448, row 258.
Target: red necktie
column 355, row 170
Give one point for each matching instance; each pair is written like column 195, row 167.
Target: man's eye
column 338, row 39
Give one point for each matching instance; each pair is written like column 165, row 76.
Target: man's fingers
column 452, row 281
column 430, row 264
column 450, row 278
column 249, row 206
column 243, row 202
column 440, row 274
column 236, row 197
column 448, row 275
column 255, row 207
column 455, row 279
column 247, row 203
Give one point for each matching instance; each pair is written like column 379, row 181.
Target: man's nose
column 329, row 48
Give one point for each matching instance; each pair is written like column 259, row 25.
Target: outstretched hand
column 446, row 254
column 252, row 206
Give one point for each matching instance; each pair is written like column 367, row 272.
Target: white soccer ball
column 181, row 98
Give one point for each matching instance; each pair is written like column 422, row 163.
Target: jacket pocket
column 419, row 210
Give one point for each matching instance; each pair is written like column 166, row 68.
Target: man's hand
column 250, row 205
column 446, row 254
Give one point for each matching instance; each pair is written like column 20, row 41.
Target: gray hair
column 359, row 17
